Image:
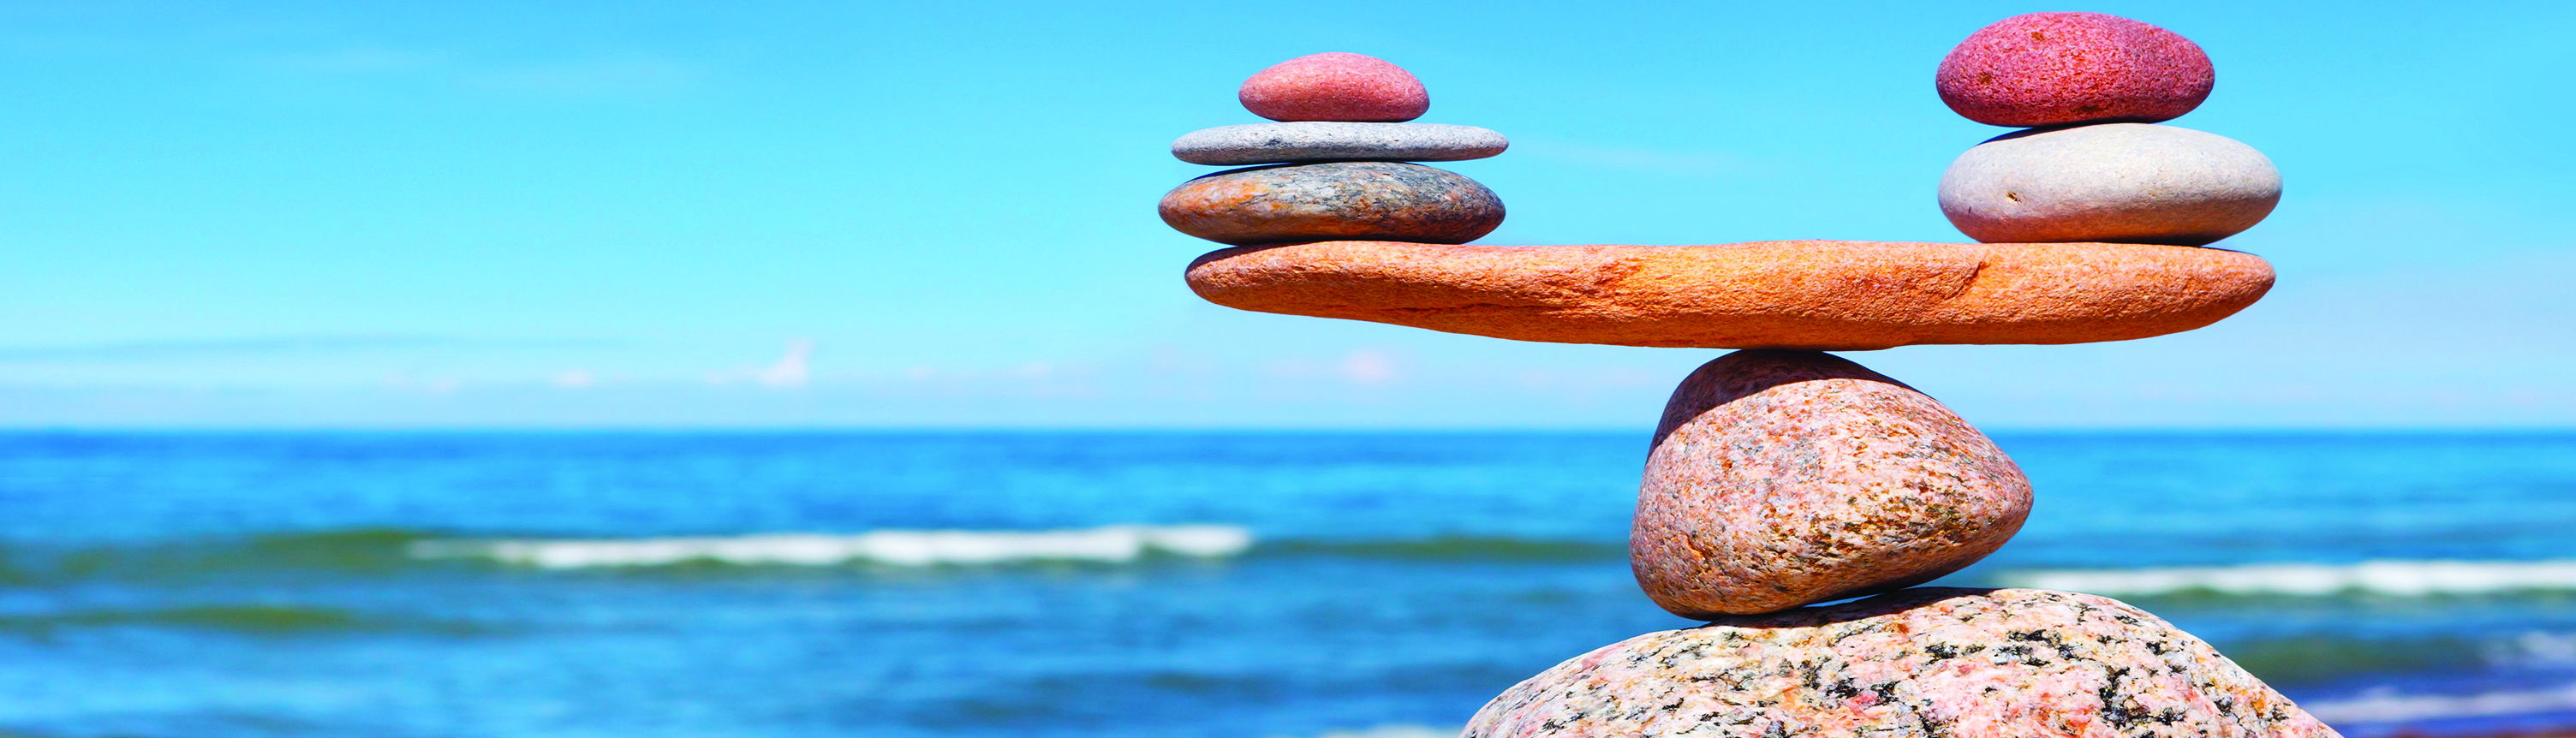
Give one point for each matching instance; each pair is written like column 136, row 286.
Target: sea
column 1198, row 584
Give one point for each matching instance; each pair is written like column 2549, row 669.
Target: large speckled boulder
column 2114, row 182
column 1783, row 478
column 1932, row 662
column 1370, row 200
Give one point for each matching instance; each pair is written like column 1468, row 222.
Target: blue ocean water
column 1136, row 584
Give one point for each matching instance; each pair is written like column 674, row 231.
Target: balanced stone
column 1335, row 86
column 1278, row 143
column 1921, row 663
column 1375, row 200
column 1783, row 478
column 1838, row 295
column 2046, row 69
column 2115, row 182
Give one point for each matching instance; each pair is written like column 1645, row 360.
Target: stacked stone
column 2092, row 165
column 1338, row 162
column 1781, row 477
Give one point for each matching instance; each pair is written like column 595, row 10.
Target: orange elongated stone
column 1817, row 295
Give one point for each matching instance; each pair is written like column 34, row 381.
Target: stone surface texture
column 1927, row 663
column 1784, row 478
column 1378, row 200
column 1824, row 295
column 1280, row 143
column 1335, row 86
column 2116, row 182
column 2046, row 69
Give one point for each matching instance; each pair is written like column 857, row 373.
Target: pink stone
column 2045, row 69
column 1336, row 86
column 1921, row 663
column 1782, row 478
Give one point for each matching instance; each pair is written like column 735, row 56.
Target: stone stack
column 1782, row 478
column 1337, row 162
column 2092, row 166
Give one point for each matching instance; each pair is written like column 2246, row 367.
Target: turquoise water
column 1136, row 584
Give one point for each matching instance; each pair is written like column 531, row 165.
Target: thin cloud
column 275, row 345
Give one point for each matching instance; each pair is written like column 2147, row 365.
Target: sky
column 676, row 215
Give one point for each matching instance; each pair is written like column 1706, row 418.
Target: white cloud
column 793, row 368
column 574, row 379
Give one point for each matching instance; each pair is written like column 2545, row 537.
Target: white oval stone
column 2113, row 182
column 1283, row 143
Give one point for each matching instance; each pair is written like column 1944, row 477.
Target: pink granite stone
column 1335, row 86
column 2045, row 69
column 1783, row 478
column 1931, row 662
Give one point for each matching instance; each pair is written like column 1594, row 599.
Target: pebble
column 1359, row 200
column 2115, row 182
column 1934, row 662
column 1335, row 86
column 1783, row 478
column 2045, row 69
column 1277, row 143
column 1825, row 295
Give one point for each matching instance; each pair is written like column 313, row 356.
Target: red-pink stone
column 1336, row 86
column 2046, row 69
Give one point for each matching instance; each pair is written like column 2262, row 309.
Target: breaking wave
column 2390, row 706
column 1110, row 544
column 2398, row 578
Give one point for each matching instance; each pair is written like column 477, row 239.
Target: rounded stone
column 1935, row 662
column 1280, row 143
column 1783, row 478
column 1375, row 200
column 2114, row 182
column 2045, row 69
column 1335, row 86
column 1826, row 295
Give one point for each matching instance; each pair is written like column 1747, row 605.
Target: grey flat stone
column 2113, row 182
column 1287, row 143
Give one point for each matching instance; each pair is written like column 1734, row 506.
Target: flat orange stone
column 1818, row 295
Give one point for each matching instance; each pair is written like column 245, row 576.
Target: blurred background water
column 1137, row 584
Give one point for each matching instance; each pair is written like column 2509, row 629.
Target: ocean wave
column 1108, row 544
column 2399, row 578
column 2390, row 706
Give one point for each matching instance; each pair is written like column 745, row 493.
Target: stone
column 1335, row 86
column 1823, row 295
column 1378, row 200
column 1279, row 143
column 2045, row 69
column 1784, row 478
column 1921, row 663
column 2114, row 182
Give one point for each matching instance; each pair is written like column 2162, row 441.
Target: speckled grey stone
column 1933, row 662
column 2114, row 182
column 1281, row 143
column 1336, row 201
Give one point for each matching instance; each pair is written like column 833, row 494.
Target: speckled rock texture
column 1825, row 295
column 1921, row 663
column 2046, row 69
column 1279, row 143
column 2116, row 182
column 1785, row 478
column 1377, row 200
column 1335, row 86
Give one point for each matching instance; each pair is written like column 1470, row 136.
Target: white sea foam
column 2403, row 578
column 2389, row 706
column 1394, row 731
column 1111, row 544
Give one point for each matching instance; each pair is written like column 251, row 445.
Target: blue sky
column 939, row 214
